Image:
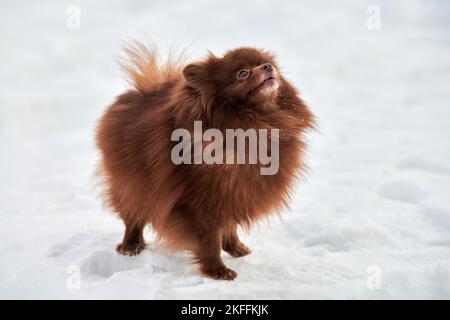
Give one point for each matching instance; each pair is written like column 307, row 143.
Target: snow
column 371, row 219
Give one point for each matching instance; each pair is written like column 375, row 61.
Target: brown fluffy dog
column 198, row 207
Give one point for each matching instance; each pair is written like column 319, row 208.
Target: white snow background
column 372, row 219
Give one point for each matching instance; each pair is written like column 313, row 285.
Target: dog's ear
column 199, row 75
column 195, row 75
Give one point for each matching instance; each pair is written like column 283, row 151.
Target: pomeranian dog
column 192, row 205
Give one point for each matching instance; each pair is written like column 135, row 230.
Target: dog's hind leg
column 133, row 241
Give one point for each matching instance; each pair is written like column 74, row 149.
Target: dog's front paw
column 130, row 249
column 219, row 273
column 238, row 250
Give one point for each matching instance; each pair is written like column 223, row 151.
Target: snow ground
column 372, row 220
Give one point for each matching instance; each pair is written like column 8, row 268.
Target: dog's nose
column 266, row 67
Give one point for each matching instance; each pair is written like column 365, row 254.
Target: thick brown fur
column 197, row 207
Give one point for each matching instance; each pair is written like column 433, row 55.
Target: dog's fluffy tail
column 144, row 69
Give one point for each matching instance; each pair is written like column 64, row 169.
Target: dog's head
column 243, row 77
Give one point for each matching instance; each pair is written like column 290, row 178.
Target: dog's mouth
column 266, row 83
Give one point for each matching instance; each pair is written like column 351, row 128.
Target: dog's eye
column 242, row 74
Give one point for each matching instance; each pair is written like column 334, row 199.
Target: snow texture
column 372, row 218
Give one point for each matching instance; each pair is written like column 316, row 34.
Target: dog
column 199, row 206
